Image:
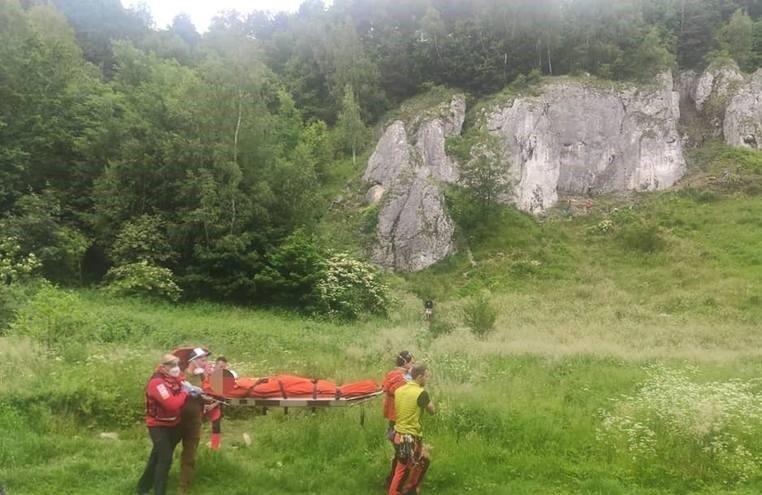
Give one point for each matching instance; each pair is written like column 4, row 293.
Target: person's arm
column 424, row 402
column 159, row 391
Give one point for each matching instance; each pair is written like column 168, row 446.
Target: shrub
column 36, row 224
column 53, row 316
column 439, row 327
column 15, row 266
column 674, row 427
column 56, row 391
column 13, row 297
column 226, row 268
column 480, row 315
column 292, row 272
column 143, row 279
column 64, row 320
column 350, row 288
column 644, row 237
column 635, row 233
column 142, row 239
column 699, row 195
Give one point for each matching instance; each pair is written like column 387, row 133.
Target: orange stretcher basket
column 287, row 391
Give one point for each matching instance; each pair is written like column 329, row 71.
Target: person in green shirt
column 410, row 400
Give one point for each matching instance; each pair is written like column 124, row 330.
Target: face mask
column 198, row 371
column 175, row 371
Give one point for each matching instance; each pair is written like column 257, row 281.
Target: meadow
column 624, row 360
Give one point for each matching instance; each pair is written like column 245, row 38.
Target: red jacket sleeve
column 172, row 403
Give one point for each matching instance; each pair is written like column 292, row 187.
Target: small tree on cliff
column 484, row 173
column 737, row 38
column 352, row 132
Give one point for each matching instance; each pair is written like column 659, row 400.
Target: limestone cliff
column 742, row 125
column 580, row 138
column 405, row 174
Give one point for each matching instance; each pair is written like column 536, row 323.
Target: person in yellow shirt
column 410, row 400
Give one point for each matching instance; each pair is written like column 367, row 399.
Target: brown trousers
column 190, row 434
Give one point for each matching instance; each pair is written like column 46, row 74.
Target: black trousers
column 165, row 439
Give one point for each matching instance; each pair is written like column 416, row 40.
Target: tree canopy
column 205, row 154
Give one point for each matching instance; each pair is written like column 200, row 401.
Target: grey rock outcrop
column 742, row 125
column 414, row 230
column 583, row 139
column 390, row 158
column 717, row 82
column 729, row 102
column 374, row 194
column 709, row 94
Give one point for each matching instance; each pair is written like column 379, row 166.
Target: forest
column 203, row 164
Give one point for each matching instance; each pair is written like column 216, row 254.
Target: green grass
column 510, row 420
column 587, row 305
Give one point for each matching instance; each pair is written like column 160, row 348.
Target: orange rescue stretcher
column 287, row 391
column 280, row 390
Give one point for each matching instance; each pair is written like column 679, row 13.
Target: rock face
column 710, row 92
column 414, row 230
column 582, row 140
column 742, row 125
column 729, row 102
column 391, row 157
column 717, row 82
column 374, row 194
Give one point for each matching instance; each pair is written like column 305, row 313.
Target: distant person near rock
column 428, row 310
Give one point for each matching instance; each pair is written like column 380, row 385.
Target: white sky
column 202, row 11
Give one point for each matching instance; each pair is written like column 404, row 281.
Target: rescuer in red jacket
column 165, row 398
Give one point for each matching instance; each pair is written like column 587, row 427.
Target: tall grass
column 514, row 417
column 554, row 400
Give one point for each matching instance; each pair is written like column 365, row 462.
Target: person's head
column 170, row 365
column 419, row 373
column 197, row 361
column 404, row 359
column 221, row 363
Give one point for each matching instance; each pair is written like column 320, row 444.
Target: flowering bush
column 15, row 266
column 697, row 431
column 143, row 279
column 349, row 288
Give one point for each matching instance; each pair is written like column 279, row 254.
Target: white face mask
column 198, row 371
column 174, row 371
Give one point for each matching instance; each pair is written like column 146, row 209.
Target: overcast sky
column 202, row 11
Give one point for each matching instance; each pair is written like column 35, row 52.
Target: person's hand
column 192, row 390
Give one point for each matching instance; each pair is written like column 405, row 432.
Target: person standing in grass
column 165, row 398
column 192, row 416
column 410, row 400
column 393, row 380
column 213, row 411
column 428, row 310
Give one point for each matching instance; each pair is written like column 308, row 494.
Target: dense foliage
column 203, row 154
